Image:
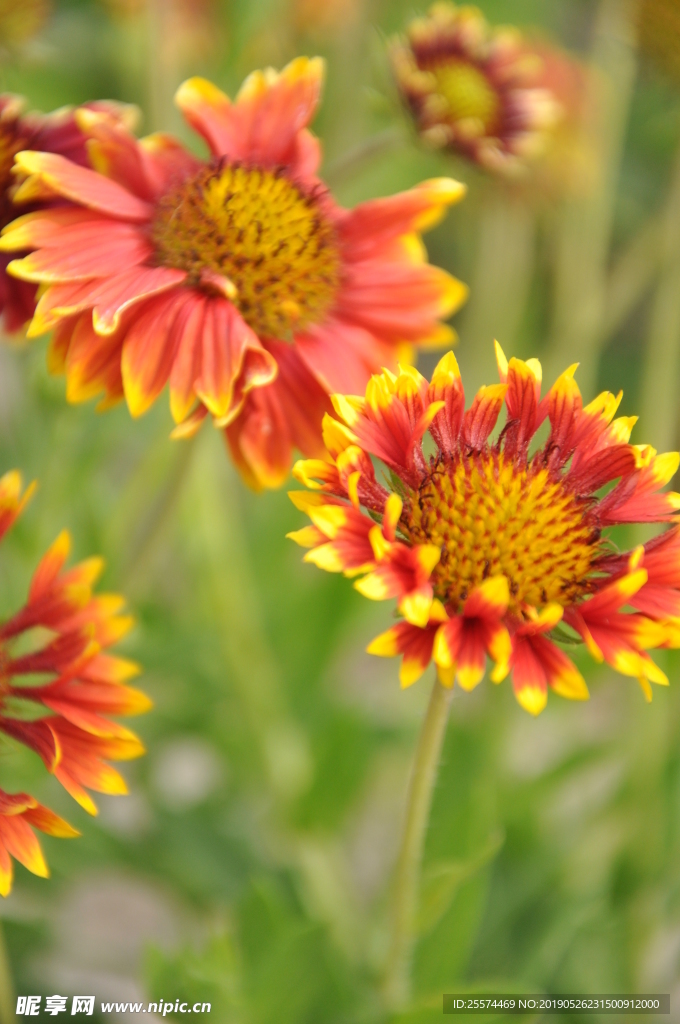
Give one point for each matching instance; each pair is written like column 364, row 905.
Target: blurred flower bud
column 21, row 20
column 474, row 89
column 569, row 162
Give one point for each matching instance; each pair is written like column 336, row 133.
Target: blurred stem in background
column 7, row 999
column 506, row 250
column 145, row 540
column 162, row 77
column 584, row 228
column 659, row 406
column 631, row 276
column 280, row 743
column 354, row 160
column 408, row 873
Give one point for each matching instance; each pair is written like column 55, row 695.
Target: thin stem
column 632, row 276
column 151, row 528
column 659, row 419
column 229, row 587
column 585, row 226
column 505, row 260
column 352, row 161
column 407, row 882
column 7, row 1000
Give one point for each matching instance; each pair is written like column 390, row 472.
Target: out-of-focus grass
column 251, row 861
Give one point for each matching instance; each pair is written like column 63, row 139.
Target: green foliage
column 257, row 844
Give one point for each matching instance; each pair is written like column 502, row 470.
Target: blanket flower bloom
column 237, row 280
column 58, row 685
column 474, row 89
column 49, row 133
column 490, row 550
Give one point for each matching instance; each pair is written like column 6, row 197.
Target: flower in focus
column 492, row 551
column 58, row 687
column 474, row 89
column 51, row 133
column 237, row 280
column 659, row 27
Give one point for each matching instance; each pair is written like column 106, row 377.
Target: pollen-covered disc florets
column 490, row 517
column 268, row 237
column 488, row 544
column 474, row 89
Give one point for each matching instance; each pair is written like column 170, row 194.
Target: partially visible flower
column 568, row 164
column 21, row 20
column 58, row 687
column 238, row 280
column 474, row 89
column 50, row 133
column 19, row 813
column 493, row 549
column 659, row 28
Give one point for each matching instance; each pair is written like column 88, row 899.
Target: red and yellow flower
column 50, row 133
column 236, row 280
column 494, row 550
column 58, row 687
column 474, row 89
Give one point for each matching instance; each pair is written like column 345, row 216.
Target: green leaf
column 209, row 976
column 441, row 882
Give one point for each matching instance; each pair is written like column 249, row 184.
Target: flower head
column 50, row 133
column 58, row 687
column 474, row 89
column 491, row 549
column 237, row 280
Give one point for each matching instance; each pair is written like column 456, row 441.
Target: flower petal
column 263, row 124
column 82, row 185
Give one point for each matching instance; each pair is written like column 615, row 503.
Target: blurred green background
column 250, row 865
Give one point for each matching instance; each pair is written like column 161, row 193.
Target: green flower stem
column 407, row 882
column 584, row 230
column 354, row 160
column 145, row 540
column 658, row 410
column 7, row 998
column 632, row 276
column 230, row 590
column 504, row 265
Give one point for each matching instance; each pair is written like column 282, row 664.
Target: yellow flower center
column 467, row 92
column 261, row 231
column 491, row 518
